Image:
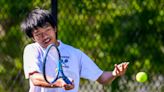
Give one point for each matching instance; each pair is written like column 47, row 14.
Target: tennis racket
column 52, row 65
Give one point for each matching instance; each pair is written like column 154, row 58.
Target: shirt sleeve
column 31, row 60
column 89, row 70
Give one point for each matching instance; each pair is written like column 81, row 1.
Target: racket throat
column 59, row 66
column 60, row 70
column 61, row 73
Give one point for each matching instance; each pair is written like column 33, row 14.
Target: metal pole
column 54, row 9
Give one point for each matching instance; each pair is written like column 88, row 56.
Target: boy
column 41, row 28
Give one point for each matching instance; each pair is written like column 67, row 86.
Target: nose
column 44, row 34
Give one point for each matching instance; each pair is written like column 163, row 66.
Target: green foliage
column 114, row 31
column 109, row 31
column 12, row 42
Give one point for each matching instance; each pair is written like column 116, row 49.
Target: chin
column 44, row 45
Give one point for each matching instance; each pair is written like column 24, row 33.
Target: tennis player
column 40, row 26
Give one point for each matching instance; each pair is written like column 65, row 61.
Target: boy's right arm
column 38, row 80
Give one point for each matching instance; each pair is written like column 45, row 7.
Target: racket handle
column 67, row 81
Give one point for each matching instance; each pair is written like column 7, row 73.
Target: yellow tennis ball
column 141, row 77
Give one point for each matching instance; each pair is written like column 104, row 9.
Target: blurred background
column 109, row 31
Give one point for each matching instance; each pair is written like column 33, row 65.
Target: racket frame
column 60, row 73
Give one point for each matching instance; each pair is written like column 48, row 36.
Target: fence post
column 54, row 9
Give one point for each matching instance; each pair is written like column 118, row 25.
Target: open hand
column 120, row 69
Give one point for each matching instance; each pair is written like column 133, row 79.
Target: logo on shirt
column 65, row 60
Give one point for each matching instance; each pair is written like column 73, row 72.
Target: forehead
column 46, row 25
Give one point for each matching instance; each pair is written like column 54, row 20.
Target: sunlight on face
column 45, row 35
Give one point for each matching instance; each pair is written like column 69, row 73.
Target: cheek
column 37, row 40
column 53, row 33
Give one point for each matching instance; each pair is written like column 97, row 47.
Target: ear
column 33, row 39
column 55, row 29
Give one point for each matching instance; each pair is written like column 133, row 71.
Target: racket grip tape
column 67, row 81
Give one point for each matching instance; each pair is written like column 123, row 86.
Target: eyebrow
column 46, row 25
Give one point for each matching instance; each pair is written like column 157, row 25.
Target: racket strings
column 53, row 65
column 50, row 64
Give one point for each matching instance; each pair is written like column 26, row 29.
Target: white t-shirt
column 78, row 65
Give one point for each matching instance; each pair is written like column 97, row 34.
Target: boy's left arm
column 108, row 76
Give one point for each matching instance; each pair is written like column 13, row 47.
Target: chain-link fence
column 109, row 31
column 156, row 84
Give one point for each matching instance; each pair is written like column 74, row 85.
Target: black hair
column 37, row 18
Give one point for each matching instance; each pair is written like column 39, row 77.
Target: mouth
column 47, row 40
